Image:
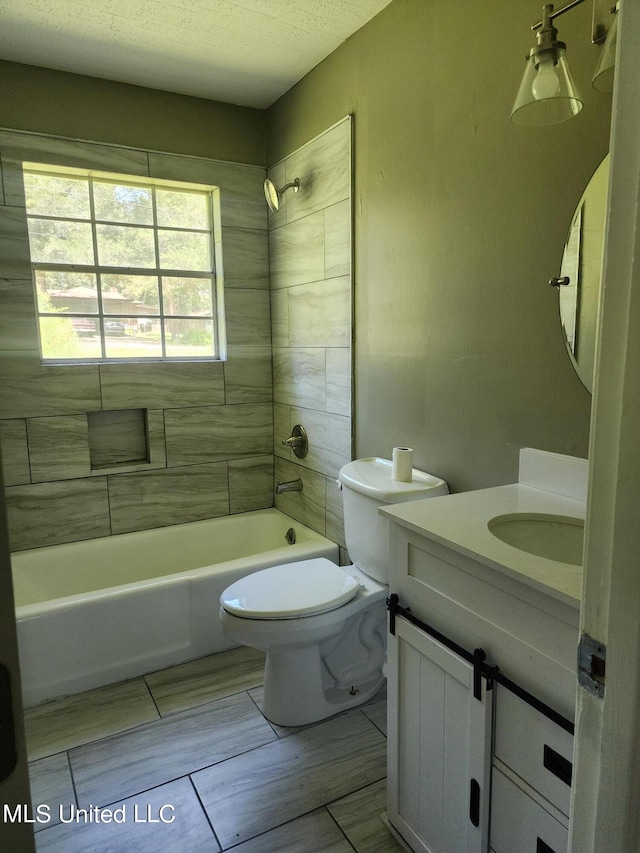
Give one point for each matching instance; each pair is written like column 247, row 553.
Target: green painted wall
column 460, row 222
column 60, row 104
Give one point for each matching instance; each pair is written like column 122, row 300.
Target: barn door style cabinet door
column 439, row 745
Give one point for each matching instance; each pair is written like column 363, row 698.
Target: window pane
column 184, row 250
column 130, row 294
column 182, row 209
column 62, row 196
column 187, row 296
column 121, row 246
column 69, row 337
column 189, row 338
column 99, row 248
column 125, row 338
column 60, row 242
column 122, row 203
column 75, row 292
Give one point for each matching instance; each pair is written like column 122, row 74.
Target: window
column 123, row 267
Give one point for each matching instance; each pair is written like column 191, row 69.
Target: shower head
column 274, row 195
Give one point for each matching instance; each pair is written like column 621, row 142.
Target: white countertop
column 460, row 521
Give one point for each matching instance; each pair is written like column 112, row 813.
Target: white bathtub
column 99, row 611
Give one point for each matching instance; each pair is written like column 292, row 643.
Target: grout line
column 73, row 780
column 275, row 731
column 376, row 726
column 210, row 701
column 355, row 791
column 140, row 793
column 206, row 815
column 153, row 698
column 29, row 463
column 346, row 837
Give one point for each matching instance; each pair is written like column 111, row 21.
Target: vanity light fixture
column 548, row 93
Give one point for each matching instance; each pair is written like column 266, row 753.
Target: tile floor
column 183, row 761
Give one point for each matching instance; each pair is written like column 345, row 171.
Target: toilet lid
column 290, row 591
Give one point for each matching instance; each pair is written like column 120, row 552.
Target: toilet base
column 305, row 700
column 318, row 666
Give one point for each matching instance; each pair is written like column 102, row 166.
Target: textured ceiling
column 241, row 51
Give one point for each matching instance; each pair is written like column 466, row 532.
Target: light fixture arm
column 552, row 15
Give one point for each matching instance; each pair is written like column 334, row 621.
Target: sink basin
column 555, row 537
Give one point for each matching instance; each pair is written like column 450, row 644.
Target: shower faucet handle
column 293, row 441
column 297, row 441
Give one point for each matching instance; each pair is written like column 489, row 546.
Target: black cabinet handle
column 474, row 803
column 558, row 765
column 541, row 847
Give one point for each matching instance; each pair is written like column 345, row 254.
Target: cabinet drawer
column 534, row 747
column 519, row 824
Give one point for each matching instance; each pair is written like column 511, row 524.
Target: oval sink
column 555, row 537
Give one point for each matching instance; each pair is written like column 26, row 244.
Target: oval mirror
column 582, row 267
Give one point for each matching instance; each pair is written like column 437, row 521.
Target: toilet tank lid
column 372, row 477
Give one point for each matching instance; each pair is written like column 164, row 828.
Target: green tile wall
column 214, row 419
column 311, row 325
column 211, row 425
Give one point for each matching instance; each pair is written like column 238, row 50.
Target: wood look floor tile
column 255, row 792
column 376, row 711
column 51, row 786
column 189, row 831
column 359, row 817
column 257, row 694
column 151, row 755
column 313, row 833
column 206, row 679
column 84, row 717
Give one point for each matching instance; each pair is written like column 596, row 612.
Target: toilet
column 323, row 627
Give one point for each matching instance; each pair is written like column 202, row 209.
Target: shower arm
column 295, row 183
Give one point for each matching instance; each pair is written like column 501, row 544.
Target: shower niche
column 118, row 438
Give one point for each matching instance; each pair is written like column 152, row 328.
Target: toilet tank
column 366, row 485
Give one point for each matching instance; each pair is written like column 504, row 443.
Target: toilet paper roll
column 402, row 463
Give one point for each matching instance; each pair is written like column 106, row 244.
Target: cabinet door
column 439, row 746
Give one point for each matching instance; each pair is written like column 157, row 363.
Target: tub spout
column 290, row 486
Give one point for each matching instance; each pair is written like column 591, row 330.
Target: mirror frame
column 581, row 275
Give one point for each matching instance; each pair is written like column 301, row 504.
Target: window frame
column 98, row 270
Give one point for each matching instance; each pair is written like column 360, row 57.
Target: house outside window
column 123, row 267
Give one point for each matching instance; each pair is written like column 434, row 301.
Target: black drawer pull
column 474, row 803
column 558, row 765
column 541, row 847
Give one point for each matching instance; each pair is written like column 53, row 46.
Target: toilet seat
column 290, row 591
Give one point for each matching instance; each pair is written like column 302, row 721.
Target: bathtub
column 96, row 612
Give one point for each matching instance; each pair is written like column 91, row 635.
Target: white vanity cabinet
column 441, row 738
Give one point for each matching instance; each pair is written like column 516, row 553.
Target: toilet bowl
column 323, row 627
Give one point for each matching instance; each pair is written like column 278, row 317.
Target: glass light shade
column 605, row 69
column 547, row 95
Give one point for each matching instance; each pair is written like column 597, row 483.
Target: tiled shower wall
column 210, row 424
column 311, row 310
